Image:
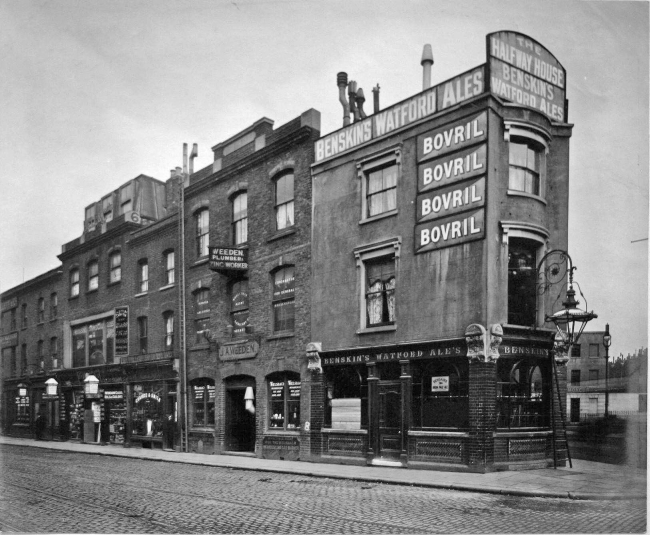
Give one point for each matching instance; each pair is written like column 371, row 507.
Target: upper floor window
column 522, row 293
column 575, row 350
column 41, row 354
column 168, row 318
column 283, row 299
column 379, row 176
column 594, row 350
column 380, row 291
column 93, row 343
column 143, row 276
column 54, row 306
column 593, row 375
column 575, row 377
column 240, row 218
column 202, row 301
column 9, row 359
column 23, row 321
column 143, row 334
column 126, row 198
column 115, row 266
column 93, row 275
column 74, row 283
column 526, row 160
column 54, row 351
column 284, row 216
column 23, row 358
column 12, row 320
column 239, row 306
column 41, row 310
column 202, row 226
column 169, row 267
column 107, row 208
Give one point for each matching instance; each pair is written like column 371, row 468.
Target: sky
column 95, row 93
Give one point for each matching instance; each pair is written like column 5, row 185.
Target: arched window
column 284, row 195
column 74, row 282
column 523, row 392
column 203, row 397
column 202, row 228
column 284, row 396
column 283, row 299
column 115, row 267
column 93, row 275
column 240, row 218
column 239, row 306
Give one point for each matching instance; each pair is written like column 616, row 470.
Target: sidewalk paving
column 587, row 480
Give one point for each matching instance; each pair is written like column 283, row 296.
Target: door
column 240, row 423
column 575, row 409
column 390, row 420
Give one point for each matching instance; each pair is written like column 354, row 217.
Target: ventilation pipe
column 375, row 98
column 342, row 82
column 193, row 154
column 352, row 98
column 360, row 99
column 427, row 63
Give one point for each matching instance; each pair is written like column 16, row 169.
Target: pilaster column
column 311, row 443
column 373, row 411
column 406, row 381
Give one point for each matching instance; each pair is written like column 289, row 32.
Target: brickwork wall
column 482, row 414
column 560, row 442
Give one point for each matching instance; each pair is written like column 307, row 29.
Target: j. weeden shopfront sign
column 447, row 348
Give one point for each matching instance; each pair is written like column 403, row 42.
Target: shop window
column 594, row 351
column 41, row 310
column 93, row 275
column 593, row 376
column 440, row 397
column 203, row 397
column 170, row 277
column 346, row 404
column 93, row 343
column 115, row 267
column 522, row 393
column 74, row 283
column 22, row 409
column 575, row 377
column 240, row 218
column 379, row 177
column 284, row 396
column 283, row 299
column 143, row 334
column 522, row 274
column 147, row 413
column 54, row 351
column 202, row 231
column 239, row 306
column 168, row 319
column 143, row 276
column 23, row 316
column 54, row 306
column 380, row 292
column 284, row 207
column 526, row 165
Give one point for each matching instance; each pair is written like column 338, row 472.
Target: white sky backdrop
column 94, row 93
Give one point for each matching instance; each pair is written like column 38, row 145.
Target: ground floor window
column 346, row 403
column 440, row 395
column 284, row 393
column 147, row 415
column 203, row 396
column 523, row 392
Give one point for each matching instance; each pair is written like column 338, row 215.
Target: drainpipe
column 181, row 293
column 360, row 99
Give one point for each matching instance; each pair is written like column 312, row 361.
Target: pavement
column 587, row 480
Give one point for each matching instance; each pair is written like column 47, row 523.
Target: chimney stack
column 427, row 63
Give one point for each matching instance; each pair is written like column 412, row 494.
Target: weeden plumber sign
column 523, row 71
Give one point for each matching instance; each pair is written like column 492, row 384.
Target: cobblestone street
column 45, row 491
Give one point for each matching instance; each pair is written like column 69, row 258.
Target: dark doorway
column 240, row 422
column 390, row 419
column 575, row 409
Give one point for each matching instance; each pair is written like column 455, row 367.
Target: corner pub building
column 379, row 308
column 430, row 347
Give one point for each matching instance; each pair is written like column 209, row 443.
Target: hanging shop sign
column 122, row 330
column 228, row 259
column 9, row 340
column 405, row 113
column 523, row 71
column 240, row 350
column 440, row 384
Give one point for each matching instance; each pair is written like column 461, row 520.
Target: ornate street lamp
column 607, row 341
column 91, row 385
column 51, row 387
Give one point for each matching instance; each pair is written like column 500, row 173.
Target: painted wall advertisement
column 523, row 71
column 452, row 167
column 122, row 330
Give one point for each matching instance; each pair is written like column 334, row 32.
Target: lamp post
column 607, row 341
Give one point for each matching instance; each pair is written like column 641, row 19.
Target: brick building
column 430, row 217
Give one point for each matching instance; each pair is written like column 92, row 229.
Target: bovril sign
column 452, row 167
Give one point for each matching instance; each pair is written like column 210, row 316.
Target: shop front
column 436, row 405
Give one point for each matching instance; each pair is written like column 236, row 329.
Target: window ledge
column 198, row 347
column 53, row 319
column 40, row 323
column 524, row 194
column 432, row 432
column 278, row 234
column 73, row 297
column 383, row 328
column 201, row 429
column 92, row 291
column 114, row 283
column 525, row 431
column 377, row 217
column 201, row 261
column 285, row 334
column 167, row 287
column 281, row 431
column 346, row 431
column 141, row 294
